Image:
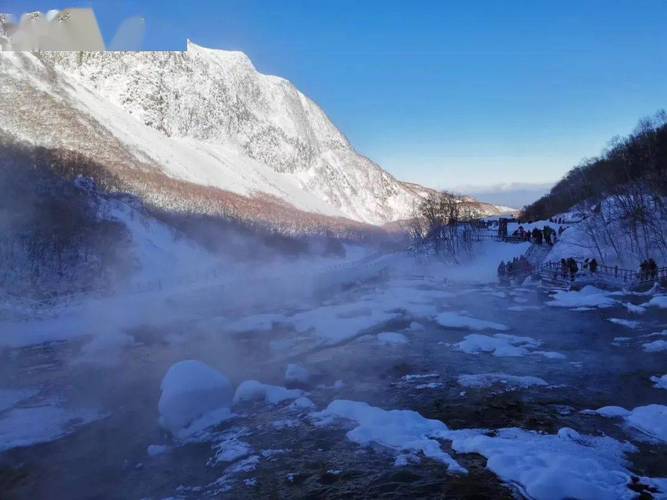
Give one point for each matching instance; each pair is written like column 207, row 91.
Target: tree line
column 636, row 161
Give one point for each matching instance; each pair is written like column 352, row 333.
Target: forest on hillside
column 636, row 163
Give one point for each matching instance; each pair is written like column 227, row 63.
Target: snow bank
column 589, row 296
column 295, row 374
column 483, row 380
column 41, row 424
column 191, row 389
column 398, row 430
column 454, row 320
column 392, row 338
column 563, row 465
column 252, row 390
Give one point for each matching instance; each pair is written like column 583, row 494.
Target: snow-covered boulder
column 189, row 390
column 296, row 374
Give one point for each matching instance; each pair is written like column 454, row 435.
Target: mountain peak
column 227, row 57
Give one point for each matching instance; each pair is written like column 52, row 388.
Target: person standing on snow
column 593, row 265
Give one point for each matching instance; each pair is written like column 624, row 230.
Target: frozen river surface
column 511, row 391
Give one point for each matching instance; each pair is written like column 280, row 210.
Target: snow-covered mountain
column 206, row 117
column 200, row 130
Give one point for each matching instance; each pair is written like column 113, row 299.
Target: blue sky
column 442, row 93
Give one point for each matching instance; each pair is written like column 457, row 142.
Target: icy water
column 284, row 452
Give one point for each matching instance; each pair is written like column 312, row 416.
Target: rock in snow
column 191, row 389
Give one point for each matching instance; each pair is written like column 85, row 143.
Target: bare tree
column 446, row 225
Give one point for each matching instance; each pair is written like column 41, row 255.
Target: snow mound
column 295, row 374
column 191, row 389
column 589, row 296
column 399, row 430
column 483, row 380
column 563, row 465
column 302, row 403
column 252, row 390
column 454, row 320
column 392, row 338
column 499, row 345
column 650, row 419
column 334, row 324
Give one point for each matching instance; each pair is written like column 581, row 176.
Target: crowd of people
column 518, row 266
column 546, row 235
column 569, row 267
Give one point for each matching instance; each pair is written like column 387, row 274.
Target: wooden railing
column 611, row 274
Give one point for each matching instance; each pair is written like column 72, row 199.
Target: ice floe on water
column 391, row 338
column 259, row 323
column 660, row 382
column 337, row 323
column 502, row 345
column 553, row 466
column 40, row 424
column 628, row 323
column 650, row 420
column 412, row 377
column 541, row 466
column 484, row 380
column 523, row 308
column 397, row 430
column 655, row 346
column 428, row 385
column 633, row 308
column 588, row 297
column 456, row 320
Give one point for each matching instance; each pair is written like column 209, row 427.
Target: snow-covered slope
column 209, row 118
